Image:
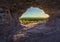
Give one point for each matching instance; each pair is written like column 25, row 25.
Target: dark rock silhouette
column 11, row 29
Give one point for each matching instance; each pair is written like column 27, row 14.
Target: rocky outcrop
column 11, row 10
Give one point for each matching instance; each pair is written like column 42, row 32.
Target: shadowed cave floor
column 38, row 33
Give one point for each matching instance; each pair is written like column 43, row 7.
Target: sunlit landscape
column 33, row 16
column 32, row 20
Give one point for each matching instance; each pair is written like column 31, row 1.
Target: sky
column 34, row 12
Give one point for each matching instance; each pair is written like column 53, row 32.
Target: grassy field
column 31, row 20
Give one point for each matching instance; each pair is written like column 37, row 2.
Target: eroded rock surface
column 11, row 10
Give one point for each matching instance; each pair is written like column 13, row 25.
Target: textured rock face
column 11, row 10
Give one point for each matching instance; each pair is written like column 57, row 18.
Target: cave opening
column 33, row 16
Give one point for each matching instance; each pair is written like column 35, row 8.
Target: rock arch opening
column 33, row 16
